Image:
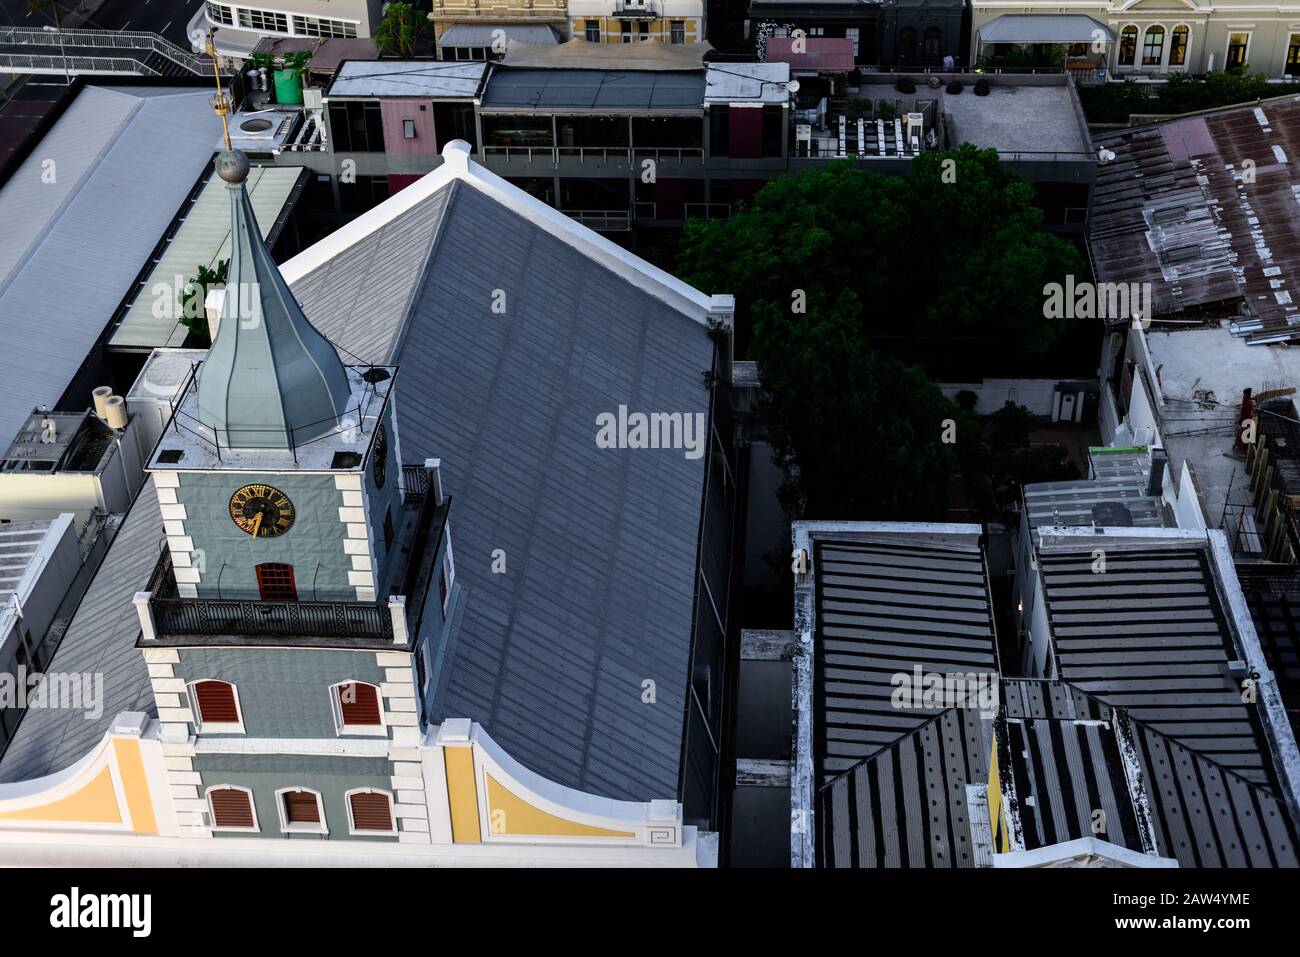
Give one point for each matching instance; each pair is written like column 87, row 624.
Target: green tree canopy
column 949, row 262
column 859, row 435
column 401, row 29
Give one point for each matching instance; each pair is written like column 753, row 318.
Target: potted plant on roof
column 288, row 79
column 401, row 30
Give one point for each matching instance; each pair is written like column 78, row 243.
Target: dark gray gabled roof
column 100, row 640
column 600, row 544
column 886, row 608
column 596, row 90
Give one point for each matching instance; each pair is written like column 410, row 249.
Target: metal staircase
column 104, row 52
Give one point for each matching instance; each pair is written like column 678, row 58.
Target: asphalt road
column 165, row 17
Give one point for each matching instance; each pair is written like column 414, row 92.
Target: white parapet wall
column 115, row 807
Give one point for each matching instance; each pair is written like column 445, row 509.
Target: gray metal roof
column 123, row 160
column 907, row 805
column 1044, row 28
column 1115, row 498
column 100, row 640
column 595, row 90
column 747, row 82
column 1149, row 634
column 484, row 34
column 422, row 78
column 600, row 544
column 884, row 608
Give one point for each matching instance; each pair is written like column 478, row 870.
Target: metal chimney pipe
column 1156, row 477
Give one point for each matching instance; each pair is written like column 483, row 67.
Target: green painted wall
column 283, row 692
column 264, row 774
column 313, row 546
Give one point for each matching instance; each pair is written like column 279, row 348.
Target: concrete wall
column 1036, row 395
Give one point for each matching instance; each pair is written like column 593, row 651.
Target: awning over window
column 1044, row 28
column 480, row 35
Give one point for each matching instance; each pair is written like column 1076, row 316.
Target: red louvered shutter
column 231, row 807
column 300, row 807
column 359, row 704
column 371, row 812
column 216, row 701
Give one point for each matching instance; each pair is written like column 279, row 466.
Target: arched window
column 1128, row 39
column 275, row 582
column 232, row 808
column 906, row 52
column 1178, row 47
column 356, row 708
column 370, row 812
column 1153, row 45
column 301, row 810
column 216, row 707
column 932, row 46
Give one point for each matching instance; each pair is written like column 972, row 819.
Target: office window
column 408, row 129
column 591, row 31
column 854, row 34
column 1293, row 55
column 677, row 31
column 1128, row 39
column 1153, row 46
column 300, row 810
column 906, row 52
column 1237, row 45
column 627, row 31
column 324, row 27
column 219, row 13
column 264, row 20
column 932, row 46
column 1178, row 47
column 357, row 127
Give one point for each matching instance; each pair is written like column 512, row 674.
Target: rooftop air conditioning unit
column 312, row 97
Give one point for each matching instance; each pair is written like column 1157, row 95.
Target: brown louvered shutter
column 371, row 812
column 231, row 807
column 216, row 701
column 300, row 807
column 359, row 704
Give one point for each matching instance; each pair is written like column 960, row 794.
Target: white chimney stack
column 100, row 396
column 115, row 407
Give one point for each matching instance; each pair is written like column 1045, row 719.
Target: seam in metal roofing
column 422, row 78
column 123, row 161
column 595, row 90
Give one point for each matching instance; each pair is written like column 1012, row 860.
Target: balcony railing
column 505, row 10
column 595, row 154
column 604, row 219
column 183, row 617
column 634, row 10
column 707, row 210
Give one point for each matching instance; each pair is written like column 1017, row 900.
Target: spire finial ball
column 232, row 166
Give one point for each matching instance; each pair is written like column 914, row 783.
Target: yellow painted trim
column 94, row 803
column 462, row 795
column 996, row 817
column 139, row 802
column 519, row 818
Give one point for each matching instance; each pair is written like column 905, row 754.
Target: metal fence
column 136, row 40
column 175, row 617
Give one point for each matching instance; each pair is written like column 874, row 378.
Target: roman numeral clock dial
column 262, row 511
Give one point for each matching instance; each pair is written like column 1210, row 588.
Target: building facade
column 632, row 21
column 1156, row 38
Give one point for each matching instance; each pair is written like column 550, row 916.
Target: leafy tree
column 401, row 29
column 1001, row 460
column 952, row 256
column 858, row 435
column 193, row 314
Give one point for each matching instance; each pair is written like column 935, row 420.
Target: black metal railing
column 177, row 617
column 415, row 480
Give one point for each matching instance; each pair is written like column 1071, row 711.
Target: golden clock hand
column 257, row 524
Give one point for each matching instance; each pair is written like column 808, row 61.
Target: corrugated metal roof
column 1044, row 28
column 1115, row 498
column 886, row 608
column 596, row 90
column 484, row 34
column 124, row 159
column 747, row 82
column 432, row 80
column 1148, row 634
column 907, row 805
column 203, row 238
column 100, row 640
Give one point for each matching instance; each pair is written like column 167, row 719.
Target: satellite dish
column 793, row 86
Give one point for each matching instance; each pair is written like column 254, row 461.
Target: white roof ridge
column 457, row 166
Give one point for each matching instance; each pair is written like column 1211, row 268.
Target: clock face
column 262, row 511
column 379, row 465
